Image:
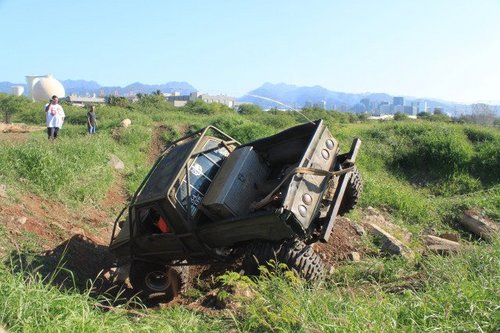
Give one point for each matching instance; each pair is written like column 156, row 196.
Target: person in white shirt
column 55, row 117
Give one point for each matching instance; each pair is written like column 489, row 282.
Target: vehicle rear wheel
column 298, row 256
column 257, row 254
column 302, row 259
column 156, row 283
column 352, row 192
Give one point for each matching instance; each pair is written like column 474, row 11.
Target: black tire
column 302, row 259
column 298, row 256
column 155, row 283
column 257, row 254
column 352, row 193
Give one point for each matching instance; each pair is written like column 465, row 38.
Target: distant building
column 416, row 107
column 43, row 87
column 177, row 99
column 84, row 100
column 384, row 108
column 398, row 109
column 221, row 99
column 409, row 110
column 180, row 100
column 398, row 101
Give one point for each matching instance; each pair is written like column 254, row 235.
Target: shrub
column 242, row 130
column 249, row 109
column 438, row 151
column 400, row 116
column 200, row 107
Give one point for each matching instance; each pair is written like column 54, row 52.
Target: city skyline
column 444, row 50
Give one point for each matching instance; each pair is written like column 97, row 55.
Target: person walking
column 55, row 117
column 91, row 122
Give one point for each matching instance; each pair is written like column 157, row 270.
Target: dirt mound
column 18, row 128
column 46, row 223
column 343, row 240
column 74, row 262
column 16, row 133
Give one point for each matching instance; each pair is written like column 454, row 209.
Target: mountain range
column 266, row 96
column 297, row 97
column 85, row 88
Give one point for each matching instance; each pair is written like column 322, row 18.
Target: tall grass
column 53, row 170
column 29, row 303
column 453, row 294
column 425, row 174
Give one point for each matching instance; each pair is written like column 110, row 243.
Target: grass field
column 424, row 174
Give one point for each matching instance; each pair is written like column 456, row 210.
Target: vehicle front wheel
column 155, row 283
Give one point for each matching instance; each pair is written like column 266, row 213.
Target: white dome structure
column 45, row 87
column 17, row 90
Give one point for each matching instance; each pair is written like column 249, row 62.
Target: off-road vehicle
column 209, row 198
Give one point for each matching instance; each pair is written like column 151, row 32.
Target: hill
column 298, row 97
column 84, row 88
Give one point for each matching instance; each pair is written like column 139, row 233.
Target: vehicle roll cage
column 226, row 141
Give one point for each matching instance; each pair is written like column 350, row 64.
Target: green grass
column 425, row 174
column 31, row 304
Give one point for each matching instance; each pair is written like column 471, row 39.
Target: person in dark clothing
column 91, row 122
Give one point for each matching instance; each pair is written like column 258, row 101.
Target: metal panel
column 236, row 185
column 320, row 154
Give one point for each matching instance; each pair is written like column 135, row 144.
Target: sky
column 445, row 49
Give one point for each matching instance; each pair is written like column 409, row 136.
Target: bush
column 400, row 116
column 10, row 105
column 200, row 107
column 249, row 109
column 437, row 151
column 241, row 129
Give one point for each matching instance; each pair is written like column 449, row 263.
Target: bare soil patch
column 343, row 240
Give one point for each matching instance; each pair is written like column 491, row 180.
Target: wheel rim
column 157, row 281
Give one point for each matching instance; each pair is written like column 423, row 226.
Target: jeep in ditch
column 210, row 199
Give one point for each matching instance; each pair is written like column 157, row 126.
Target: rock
column 449, row 236
column 374, row 217
column 359, row 229
column 441, row 245
column 21, row 220
column 126, row 123
column 331, row 270
column 480, row 225
column 354, row 256
column 390, row 244
column 116, row 163
column 3, row 191
column 371, row 211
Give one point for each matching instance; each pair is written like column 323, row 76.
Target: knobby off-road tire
column 157, row 283
column 298, row 257
column 352, row 193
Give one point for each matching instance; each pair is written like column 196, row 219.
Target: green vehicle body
column 208, row 196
